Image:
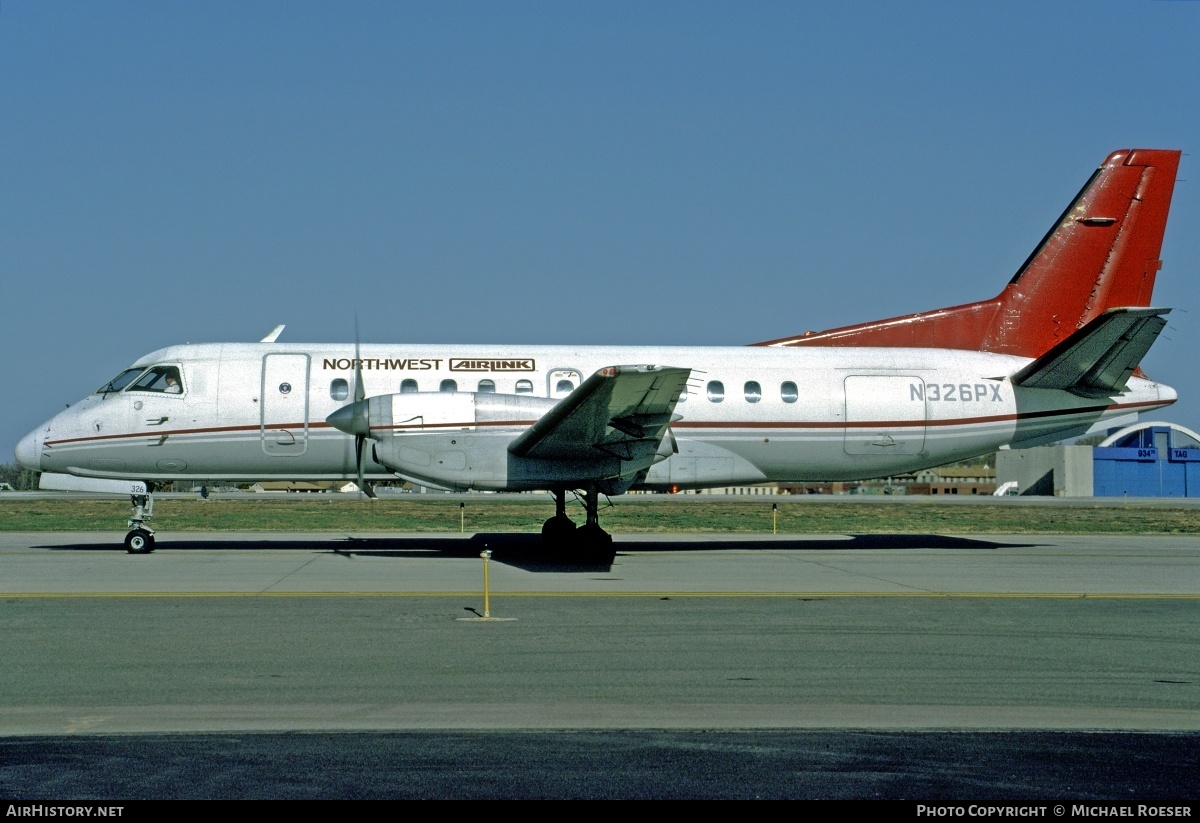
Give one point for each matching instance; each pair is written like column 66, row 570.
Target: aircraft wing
column 620, row 411
column 1098, row 359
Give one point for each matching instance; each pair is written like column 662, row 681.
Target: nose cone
column 351, row 419
column 29, row 450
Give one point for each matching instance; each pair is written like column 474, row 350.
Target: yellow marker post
column 486, row 617
column 774, row 518
column 462, row 518
column 486, row 554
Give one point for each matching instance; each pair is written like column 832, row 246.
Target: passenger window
column 408, row 386
column 339, row 389
column 564, row 387
column 524, row 387
column 487, row 387
column 163, row 379
column 753, row 391
column 448, row 386
column 789, row 392
column 716, row 391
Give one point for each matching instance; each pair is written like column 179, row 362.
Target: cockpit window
column 119, row 382
column 163, row 379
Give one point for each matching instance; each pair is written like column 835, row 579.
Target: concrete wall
column 1061, row 471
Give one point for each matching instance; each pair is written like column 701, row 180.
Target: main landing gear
column 589, row 542
column 141, row 539
column 559, row 529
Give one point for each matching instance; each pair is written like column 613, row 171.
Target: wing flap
column 1097, row 360
column 620, row 411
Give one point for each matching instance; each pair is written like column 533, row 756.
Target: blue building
column 1148, row 460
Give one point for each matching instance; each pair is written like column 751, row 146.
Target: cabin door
column 284, row 401
column 885, row 414
column 561, row 382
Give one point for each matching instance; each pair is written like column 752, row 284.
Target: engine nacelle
column 425, row 412
column 458, row 440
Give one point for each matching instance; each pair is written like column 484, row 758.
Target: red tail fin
column 1101, row 254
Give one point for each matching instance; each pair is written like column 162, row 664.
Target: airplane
column 1054, row 355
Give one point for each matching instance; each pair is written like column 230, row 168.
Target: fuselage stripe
column 682, row 424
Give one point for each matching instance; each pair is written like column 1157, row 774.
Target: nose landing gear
column 141, row 539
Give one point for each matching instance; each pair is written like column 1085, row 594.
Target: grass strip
column 641, row 515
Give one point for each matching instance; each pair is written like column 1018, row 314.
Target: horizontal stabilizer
column 621, row 411
column 1098, row 359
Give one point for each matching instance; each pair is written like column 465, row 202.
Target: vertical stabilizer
column 1102, row 253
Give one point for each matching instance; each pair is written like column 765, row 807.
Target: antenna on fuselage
column 274, row 335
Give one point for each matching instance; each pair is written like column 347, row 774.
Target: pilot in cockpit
column 164, row 379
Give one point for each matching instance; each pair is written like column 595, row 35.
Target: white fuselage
column 751, row 414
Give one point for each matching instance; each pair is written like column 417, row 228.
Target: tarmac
column 945, row 666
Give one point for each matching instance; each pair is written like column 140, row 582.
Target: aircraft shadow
column 527, row 552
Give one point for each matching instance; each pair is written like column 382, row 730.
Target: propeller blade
column 360, row 391
column 364, row 487
column 360, row 413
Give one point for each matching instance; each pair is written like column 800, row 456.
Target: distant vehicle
column 1054, row 355
column 1009, row 489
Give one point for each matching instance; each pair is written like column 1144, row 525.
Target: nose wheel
column 141, row 539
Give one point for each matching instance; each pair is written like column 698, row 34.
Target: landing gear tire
column 594, row 544
column 558, row 530
column 139, row 541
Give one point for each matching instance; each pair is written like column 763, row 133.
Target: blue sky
column 555, row 172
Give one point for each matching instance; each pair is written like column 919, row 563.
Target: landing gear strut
column 141, row 539
column 592, row 538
